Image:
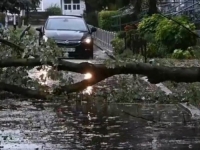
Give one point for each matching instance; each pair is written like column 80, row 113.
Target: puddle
column 93, row 125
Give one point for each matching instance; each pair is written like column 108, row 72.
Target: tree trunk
column 152, row 7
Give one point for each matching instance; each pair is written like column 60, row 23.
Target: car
column 71, row 33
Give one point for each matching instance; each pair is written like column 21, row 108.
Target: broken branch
column 22, row 91
column 155, row 74
column 13, row 45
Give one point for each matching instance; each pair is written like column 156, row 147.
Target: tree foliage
column 54, row 10
column 173, row 35
column 14, row 6
column 99, row 5
column 161, row 32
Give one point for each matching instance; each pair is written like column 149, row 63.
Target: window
column 76, row 1
column 67, row 1
column 67, row 7
column 72, row 4
column 76, row 4
column 74, row 24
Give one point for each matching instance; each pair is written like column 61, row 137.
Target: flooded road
column 96, row 126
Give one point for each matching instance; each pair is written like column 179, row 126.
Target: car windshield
column 74, row 24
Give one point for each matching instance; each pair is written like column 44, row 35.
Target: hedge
column 105, row 20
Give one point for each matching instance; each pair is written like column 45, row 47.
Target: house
column 76, row 7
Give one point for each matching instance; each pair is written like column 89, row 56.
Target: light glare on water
column 88, row 90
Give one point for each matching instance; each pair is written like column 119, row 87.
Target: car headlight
column 87, row 40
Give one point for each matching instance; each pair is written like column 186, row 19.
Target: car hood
column 65, row 35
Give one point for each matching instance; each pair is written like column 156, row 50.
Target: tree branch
column 22, row 91
column 13, row 45
column 155, row 74
column 24, row 31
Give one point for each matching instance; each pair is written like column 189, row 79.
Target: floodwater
column 93, row 125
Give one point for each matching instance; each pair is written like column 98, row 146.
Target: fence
column 103, row 38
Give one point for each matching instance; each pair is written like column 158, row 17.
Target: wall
column 48, row 3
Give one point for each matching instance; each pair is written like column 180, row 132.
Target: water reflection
column 89, row 89
column 41, row 75
column 103, row 126
column 94, row 125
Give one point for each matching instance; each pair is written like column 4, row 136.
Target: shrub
column 183, row 54
column 155, row 50
column 162, row 32
column 121, row 34
column 105, row 20
column 175, row 36
column 147, row 29
column 118, row 45
column 149, row 24
column 54, row 10
column 2, row 18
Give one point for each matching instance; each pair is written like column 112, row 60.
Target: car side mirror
column 93, row 29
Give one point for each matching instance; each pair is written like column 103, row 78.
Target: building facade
column 76, row 7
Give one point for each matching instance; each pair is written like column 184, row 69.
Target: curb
column 159, row 85
column 191, row 109
column 106, row 51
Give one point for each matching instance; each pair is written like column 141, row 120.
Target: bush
column 164, row 35
column 182, row 54
column 175, row 36
column 155, row 50
column 2, row 18
column 149, row 24
column 118, row 45
column 105, row 20
column 54, row 10
column 147, row 29
column 121, row 34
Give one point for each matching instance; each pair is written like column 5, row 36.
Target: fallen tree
column 47, row 53
column 155, row 74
